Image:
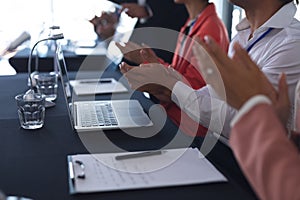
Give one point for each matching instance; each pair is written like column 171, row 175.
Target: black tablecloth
column 34, row 162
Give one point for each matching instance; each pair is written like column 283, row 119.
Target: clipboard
column 89, row 173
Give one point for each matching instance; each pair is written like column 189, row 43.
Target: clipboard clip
column 81, row 175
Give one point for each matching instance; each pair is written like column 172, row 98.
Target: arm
column 269, row 159
column 258, row 138
column 204, row 106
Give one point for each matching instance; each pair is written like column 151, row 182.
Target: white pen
column 138, row 155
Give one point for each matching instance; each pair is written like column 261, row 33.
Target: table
column 34, row 164
column 20, row 61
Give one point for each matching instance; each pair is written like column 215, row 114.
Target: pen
column 97, row 81
column 138, row 155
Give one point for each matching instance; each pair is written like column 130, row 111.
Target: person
column 151, row 13
column 105, row 25
column 271, row 35
column 203, row 20
column 259, row 138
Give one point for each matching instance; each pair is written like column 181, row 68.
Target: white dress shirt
column 277, row 52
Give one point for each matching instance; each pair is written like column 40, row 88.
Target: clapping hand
column 153, row 78
column 105, row 25
column 137, row 53
column 237, row 79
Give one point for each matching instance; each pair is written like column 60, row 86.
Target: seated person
column 259, row 138
column 203, row 20
column 274, row 53
column 152, row 13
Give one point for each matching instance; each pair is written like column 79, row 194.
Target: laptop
column 100, row 114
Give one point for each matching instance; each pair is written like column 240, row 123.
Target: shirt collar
column 282, row 18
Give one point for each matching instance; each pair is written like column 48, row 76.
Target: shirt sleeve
column 148, row 9
column 248, row 106
column 269, row 160
column 205, row 107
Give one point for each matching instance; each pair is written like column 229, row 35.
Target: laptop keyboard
column 97, row 115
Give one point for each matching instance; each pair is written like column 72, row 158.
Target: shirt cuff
column 252, row 102
column 177, row 94
column 150, row 14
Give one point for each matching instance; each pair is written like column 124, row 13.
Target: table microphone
column 53, row 37
column 29, row 94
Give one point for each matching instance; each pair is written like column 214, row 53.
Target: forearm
column 202, row 106
column 268, row 158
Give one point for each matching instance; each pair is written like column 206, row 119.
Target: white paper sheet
column 171, row 168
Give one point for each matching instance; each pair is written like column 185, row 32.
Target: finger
column 121, row 46
column 283, row 105
column 145, row 46
column 147, row 56
column 211, row 72
column 204, row 62
column 242, row 57
column 213, row 56
column 216, row 53
column 135, row 80
column 125, row 6
column 144, row 56
column 283, row 90
column 133, row 46
column 127, row 47
column 124, row 67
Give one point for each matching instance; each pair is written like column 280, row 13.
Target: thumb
column 283, row 89
column 124, row 67
column 147, row 56
column 283, row 102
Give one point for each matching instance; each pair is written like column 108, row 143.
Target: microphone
column 53, row 37
column 57, row 36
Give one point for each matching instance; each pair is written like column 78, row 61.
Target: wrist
column 248, row 105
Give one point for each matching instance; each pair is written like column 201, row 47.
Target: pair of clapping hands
column 105, row 25
column 235, row 79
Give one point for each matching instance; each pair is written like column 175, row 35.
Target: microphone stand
column 54, row 37
column 30, row 92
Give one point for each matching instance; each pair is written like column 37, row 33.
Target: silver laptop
column 95, row 115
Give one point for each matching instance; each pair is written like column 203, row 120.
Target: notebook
column 97, row 86
column 104, row 114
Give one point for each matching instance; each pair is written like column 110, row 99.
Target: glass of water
column 46, row 83
column 31, row 110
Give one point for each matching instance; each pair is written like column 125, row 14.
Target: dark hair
column 288, row 1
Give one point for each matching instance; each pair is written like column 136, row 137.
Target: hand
column 282, row 104
column 240, row 76
column 105, row 25
column 135, row 10
column 137, row 53
column 153, row 78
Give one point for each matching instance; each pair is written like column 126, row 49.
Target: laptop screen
column 65, row 82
